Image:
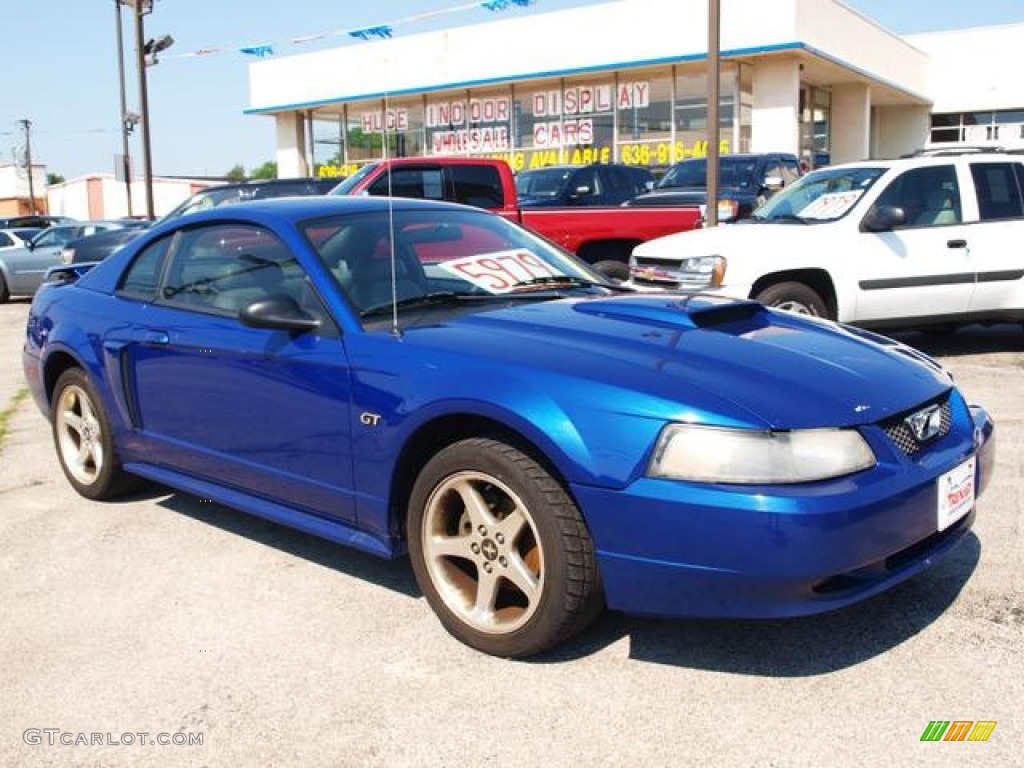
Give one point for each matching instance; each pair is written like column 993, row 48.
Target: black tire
column 794, row 297
column 83, row 439
column 512, row 596
column 616, row 270
column 5, row 294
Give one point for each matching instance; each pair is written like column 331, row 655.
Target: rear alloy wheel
column 794, row 297
column 5, row 293
column 82, row 436
column 500, row 550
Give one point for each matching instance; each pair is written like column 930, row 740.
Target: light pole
column 126, row 124
column 714, row 73
column 143, row 51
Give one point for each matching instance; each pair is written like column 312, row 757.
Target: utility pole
column 714, row 80
column 140, row 55
column 27, row 126
column 125, row 123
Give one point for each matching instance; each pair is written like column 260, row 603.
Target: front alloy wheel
column 500, row 551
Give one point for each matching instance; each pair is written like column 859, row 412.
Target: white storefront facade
column 626, row 81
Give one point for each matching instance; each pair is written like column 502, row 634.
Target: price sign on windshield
column 500, row 271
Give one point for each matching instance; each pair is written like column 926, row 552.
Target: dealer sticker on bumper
column 956, row 493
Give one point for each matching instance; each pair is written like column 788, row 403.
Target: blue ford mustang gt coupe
column 413, row 377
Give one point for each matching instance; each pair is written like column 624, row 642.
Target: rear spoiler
column 68, row 273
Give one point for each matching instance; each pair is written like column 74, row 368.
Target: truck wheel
column 793, row 297
column 616, row 270
column 5, row 294
column 500, row 550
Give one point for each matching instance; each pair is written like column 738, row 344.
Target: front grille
column 900, row 433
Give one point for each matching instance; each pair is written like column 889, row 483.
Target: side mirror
column 883, row 218
column 278, row 313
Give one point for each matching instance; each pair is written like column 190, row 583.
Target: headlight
column 67, row 255
column 717, row 455
column 706, row 270
column 728, row 210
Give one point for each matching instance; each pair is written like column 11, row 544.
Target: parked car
column 925, row 241
column 33, row 221
column 412, row 376
column 745, row 182
column 253, row 189
column 23, row 269
column 98, row 246
column 591, row 185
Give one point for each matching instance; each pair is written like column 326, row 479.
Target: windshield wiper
column 556, row 281
column 437, row 297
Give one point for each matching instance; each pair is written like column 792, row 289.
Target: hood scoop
column 675, row 311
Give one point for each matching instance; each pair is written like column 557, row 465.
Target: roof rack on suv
column 966, row 149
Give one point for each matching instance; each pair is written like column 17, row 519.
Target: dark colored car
column 34, row 221
column 99, row 246
column 744, row 182
column 255, row 189
column 574, row 185
column 405, row 376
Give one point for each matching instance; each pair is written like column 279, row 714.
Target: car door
column 994, row 242
column 921, row 267
column 266, row 412
column 28, row 267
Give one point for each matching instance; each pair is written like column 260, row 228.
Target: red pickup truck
column 603, row 237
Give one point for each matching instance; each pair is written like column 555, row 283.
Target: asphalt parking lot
column 167, row 616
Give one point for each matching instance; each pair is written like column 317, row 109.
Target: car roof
column 922, row 160
column 300, row 208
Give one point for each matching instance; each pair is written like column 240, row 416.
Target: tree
column 237, row 173
column 54, row 178
column 266, row 171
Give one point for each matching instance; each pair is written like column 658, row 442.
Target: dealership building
column 626, row 81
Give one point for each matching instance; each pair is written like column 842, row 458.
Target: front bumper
column 667, row 548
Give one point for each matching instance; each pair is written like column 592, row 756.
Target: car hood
column 738, row 237
column 701, row 358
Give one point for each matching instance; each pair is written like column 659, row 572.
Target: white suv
column 934, row 239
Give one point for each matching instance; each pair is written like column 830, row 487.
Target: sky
column 59, row 60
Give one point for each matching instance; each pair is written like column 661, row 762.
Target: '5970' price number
column 500, row 271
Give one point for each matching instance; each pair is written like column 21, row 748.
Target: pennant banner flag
column 374, row 32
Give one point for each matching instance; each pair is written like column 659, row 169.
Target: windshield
column 544, row 182
column 824, row 195
column 463, row 255
column 732, row 172
column 346, row 186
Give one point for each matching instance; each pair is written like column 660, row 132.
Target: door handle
column 155, row 337
column 956, row 243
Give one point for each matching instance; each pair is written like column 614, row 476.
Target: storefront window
column 468, row 122
column 643, row 104
column 328, row 130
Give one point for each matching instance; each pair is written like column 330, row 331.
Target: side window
column 49, row 239
column 619, row 184
column 224, row 268
column 999, row 190
column 589, row 178
column 478, row 185
column 790, row 171
column 928, row 196
column 5, row 240
column 425, row 183
column 142, row 278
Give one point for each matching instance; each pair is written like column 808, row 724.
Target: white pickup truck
column 931, row 240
